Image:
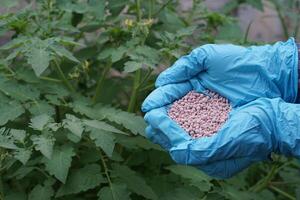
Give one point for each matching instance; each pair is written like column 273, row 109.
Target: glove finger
column 184, row 68
column 165, row 95
column 158, row 119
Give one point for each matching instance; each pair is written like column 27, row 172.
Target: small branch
column 63, row 77
column 100, row 82
column 138, row 10
column 135, row 91
column 106, row 173
column 50, row 79
column 281, row 18
column 283, row 193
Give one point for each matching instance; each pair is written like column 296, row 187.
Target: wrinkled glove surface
column 250, row 134
column 241, row 75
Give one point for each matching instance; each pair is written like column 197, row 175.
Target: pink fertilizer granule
column 200, row 115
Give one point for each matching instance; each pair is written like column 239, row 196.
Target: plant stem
column 50, row 79
column 283, row 193
column 63, row 77
column 281, row 18
column 263, row 183
column 135, row 90
column 100, row 82
column 247, row 32
column 106, row 173
column 138, row 10
column 161, row 8
column 145, row 79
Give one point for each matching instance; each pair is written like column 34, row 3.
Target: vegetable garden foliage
column 72, row 78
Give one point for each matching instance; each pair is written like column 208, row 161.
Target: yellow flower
column 128, row 22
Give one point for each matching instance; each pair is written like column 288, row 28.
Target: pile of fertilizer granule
column 200, row 114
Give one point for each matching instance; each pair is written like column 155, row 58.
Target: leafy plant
column 72, row 78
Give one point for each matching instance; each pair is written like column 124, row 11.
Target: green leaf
column 63, row 52
column 18, row 135
column 41, row 107
column 15, row 195
column 21, row 92
column 132, row 66
column 196, row 177
column 39, row 60
column 60, row 162
column 179, row 194
column 40, row 192
column 39, row 122
column 23, row 155
column 44, row 143
column 6, row 141
column 104, row 140
column 102, row 126
column 136, row 124
column 134, row 182
column 10, row 111
column 97, row 7
column 73, row 124
column 21, row 172
column 116, row 191
column 81, row 180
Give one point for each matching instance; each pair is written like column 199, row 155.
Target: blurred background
column 261, row 20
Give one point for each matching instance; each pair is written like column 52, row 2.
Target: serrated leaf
column 104, row 140
column 40, row 192
column 132, row 66
column 39, row 122
column 134, row 182
column 6, row 141
column 102, row 126
column 81, row 180
column 117, row 191
column 39, row 60
column 23, row 155
column 21, row 92
column 60, row 162
column 18, row 135
column 41, row 107
column 10, row 111
column 196, row 177
column 44, row 143
column 63, row 52
column 136, row 124
column 74, row 125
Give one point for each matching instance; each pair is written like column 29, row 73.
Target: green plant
column 72, row 79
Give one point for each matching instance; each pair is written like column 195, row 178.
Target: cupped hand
column 241, row 74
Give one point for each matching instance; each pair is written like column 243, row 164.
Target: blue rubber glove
column 238, row 73
column 250, row 134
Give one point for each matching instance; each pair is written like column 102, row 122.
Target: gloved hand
column 250, row 134
column 238, row 73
